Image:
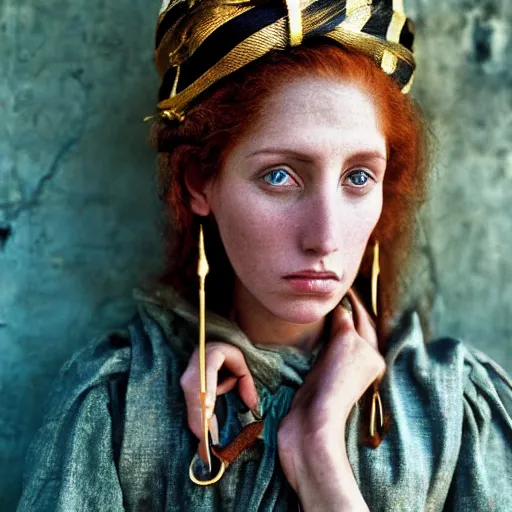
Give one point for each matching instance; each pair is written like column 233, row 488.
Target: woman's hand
column 219, row 356
column 311, row 438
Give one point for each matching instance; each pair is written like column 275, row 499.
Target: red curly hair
column 219, row 118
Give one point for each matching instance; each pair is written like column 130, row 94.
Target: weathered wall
column 78, row 216
column 77, row 199
column 464, row 84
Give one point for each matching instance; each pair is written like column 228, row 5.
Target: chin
column 305, row 310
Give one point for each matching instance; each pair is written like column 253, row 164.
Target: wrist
column 330, row 493
column 325, row 448
column 325, row 480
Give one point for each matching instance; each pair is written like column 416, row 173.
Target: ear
column 198, row 190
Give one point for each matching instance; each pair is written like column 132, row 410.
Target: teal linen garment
column 116, row 438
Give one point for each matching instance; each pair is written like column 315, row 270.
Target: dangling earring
column 376, row 400
column 375, row 276
column 209, row 426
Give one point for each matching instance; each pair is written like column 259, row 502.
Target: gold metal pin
column 203, row 269
column 375, row 276
column 210, row 426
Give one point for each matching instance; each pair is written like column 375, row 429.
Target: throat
column 262, row 327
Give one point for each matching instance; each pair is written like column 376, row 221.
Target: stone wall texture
column 79, row 219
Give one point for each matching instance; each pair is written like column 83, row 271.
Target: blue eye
column 358, row 178
column 276, row 177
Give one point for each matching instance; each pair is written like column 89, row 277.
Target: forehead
column 315, row 112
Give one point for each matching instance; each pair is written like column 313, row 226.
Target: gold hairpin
column 168, row 114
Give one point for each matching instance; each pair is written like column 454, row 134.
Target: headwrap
column 198, row 42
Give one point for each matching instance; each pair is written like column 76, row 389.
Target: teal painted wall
column 79, row 218
column 77, row 193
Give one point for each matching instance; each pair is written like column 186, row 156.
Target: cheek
column 362, row 219
column 365, row 218
column 248, row 227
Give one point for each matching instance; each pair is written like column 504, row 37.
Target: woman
column 286, row 134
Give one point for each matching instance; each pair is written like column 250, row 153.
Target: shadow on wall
column 79, row 213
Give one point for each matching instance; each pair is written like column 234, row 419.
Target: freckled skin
column 312, row 216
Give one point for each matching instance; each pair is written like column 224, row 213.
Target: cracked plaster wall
column 78, row 208
column 464, row 84
column 79, row 219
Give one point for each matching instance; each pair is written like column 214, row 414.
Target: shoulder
column 447, row 375
column 102, row 359
column 117, row 386
column 488, row 379
column 451, row 407
column 447, row 368
column 77, row 410
column 108, row 366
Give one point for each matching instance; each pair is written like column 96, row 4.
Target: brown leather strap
column 247, row 437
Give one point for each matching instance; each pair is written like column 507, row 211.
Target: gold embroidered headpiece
column 198, row 42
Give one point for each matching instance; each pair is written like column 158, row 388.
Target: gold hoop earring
column 376, row 400
column 208, row 425
column 376, row 406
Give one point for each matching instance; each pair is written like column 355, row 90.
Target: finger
column 342, row 322
column 218, row 355
column 354, row 364
column 247, row 391
column 350, row 357
column 215, row 358
column 226, row 385
column 190, row 384
column 213, row 426
column 343, row 338
column 364, row 324
column 365, row 327
column 234, row 362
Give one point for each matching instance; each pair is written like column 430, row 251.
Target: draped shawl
column 115, row 435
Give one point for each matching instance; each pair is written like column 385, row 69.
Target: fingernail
column 345, row 302
column 210, row 406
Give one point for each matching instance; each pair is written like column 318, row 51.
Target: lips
column 312, row 274
column 312, row 282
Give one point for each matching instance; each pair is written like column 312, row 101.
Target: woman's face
column 300, row 194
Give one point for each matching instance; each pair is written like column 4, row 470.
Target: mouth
column 312, row 274
column 312, row 282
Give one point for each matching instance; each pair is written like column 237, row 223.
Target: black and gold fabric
column 199, row 42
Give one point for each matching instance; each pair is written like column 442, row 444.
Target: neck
column 264, row 328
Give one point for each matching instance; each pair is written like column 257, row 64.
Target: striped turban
column 199, row 42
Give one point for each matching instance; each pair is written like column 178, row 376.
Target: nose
column 321, row 223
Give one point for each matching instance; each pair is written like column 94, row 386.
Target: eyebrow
column 367, row 155
column 364, row 155
column 301, row 157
